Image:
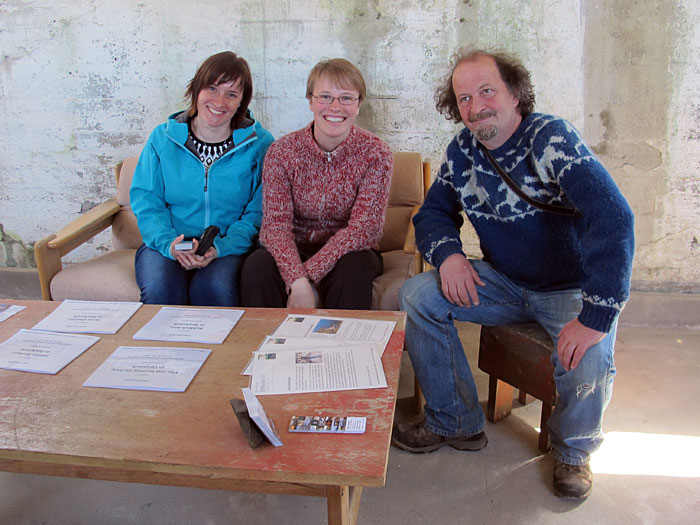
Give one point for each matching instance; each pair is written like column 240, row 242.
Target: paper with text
column 350, row 330
column 149, row 368
column 348, row 367
column 190, row 325
column 92, row 317
column 42, row 352
column 290, row 343
column 8, row 310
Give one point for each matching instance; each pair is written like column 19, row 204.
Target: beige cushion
column 109, row 277
column 398, row 266
column 407, row 179
column 406, row 192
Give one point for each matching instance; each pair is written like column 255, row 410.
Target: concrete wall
column 82, row 84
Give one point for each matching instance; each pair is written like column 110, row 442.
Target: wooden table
column 52, row 425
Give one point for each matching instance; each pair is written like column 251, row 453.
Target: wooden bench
column 518, row 356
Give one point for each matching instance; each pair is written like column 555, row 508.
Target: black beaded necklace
column 207, row 152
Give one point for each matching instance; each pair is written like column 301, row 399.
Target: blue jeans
column 452, row 404
column 164, row 281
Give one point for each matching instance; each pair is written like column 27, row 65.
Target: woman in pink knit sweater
column 325, row 193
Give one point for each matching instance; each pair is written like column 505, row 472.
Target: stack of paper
column 309, row 353
column 257, row 414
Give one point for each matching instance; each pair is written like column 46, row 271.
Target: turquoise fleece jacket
column 538, row 250
column 172, row 193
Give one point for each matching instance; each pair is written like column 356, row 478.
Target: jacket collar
column 176, row 128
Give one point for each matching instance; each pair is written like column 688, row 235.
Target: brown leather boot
column 415, row 437
column 572, row 481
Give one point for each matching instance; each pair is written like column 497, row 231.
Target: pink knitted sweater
column 323, row 203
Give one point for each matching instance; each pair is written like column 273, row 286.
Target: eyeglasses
column 345, row 100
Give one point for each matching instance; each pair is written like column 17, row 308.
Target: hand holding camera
column 189, row 260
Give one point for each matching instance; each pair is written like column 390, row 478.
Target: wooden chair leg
column 524, row 398
column 543, row 443
column 500, row 400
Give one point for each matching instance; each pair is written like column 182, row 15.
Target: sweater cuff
column 443, row 250
column 600, row 318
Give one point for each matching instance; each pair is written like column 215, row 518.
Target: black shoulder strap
column 553, row 208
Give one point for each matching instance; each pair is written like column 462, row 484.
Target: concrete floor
column 648, row 470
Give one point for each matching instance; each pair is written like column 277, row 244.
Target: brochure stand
column 250, row 429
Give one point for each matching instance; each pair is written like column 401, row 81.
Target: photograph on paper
column 348, row 367
column 350, row 330
column 276, row 344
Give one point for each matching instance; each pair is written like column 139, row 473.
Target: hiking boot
column 572, row 481
column 415, row 437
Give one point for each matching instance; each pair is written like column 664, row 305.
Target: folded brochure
column 257, row 414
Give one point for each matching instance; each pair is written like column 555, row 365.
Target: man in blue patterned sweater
column 569, row 273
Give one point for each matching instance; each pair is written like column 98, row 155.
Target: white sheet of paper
column 347, row 367
column 8, row 310
column 276, row 344
column 93, row 317
column 149, row 368
column 190, row 325
column 42, row 352
column 350, row 330
column 257, row 414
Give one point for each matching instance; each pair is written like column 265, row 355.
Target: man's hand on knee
column 574, row 341
column 459, row 280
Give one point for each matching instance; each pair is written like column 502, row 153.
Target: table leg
column 343, row 504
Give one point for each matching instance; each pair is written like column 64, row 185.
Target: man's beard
column 488, row 132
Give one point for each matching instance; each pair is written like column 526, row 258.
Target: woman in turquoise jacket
column 201, row 168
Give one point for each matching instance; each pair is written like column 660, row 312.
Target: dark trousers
column 347, row 286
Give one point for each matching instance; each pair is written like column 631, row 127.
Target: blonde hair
column 339, row 71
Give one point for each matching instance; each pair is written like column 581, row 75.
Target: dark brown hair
column 219, row 69
column 339, row 71
column 512, row 72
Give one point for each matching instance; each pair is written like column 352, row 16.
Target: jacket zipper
column 207, row 211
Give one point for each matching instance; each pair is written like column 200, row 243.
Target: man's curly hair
column 512, row 72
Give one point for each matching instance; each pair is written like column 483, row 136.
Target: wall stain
column 606, row 119
column 14, row 253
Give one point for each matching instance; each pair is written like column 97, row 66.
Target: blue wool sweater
column 540, row 251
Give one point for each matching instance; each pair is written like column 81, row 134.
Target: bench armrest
column 49, row 251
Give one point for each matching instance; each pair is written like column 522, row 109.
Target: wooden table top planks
column 51, row 424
